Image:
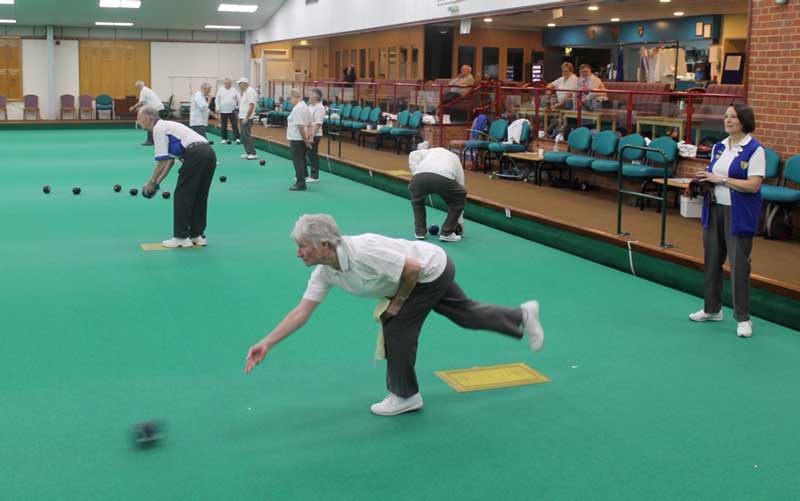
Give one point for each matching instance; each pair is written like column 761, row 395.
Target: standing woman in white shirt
column 730, row 219
column 227, row 104
column 147, row 99
column 413, row 278
column 199, row 110
column 247, row 108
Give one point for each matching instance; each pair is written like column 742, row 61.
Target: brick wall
column 774, row 69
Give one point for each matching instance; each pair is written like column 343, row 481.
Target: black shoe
column 147, row 144
column 295, row 187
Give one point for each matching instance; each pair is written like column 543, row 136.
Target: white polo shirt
column 562, row 84
column 437, row 161
column 170, row 139
column 198, row 110
column 150, row 99
column 317, row 116
column 371, row 266
column 300, row 115
column 226, row 100
column 249, row 97
column 756, row 167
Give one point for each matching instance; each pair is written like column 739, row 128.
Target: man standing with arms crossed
column 227, row 102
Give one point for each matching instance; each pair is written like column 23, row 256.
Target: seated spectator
column 463, row 81
column 591, row 101
column 568, row 81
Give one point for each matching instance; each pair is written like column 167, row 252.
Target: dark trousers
column 234, row 120
column 299, row 160
column 717, row 243
column 247, row 139
column 200, row 129
column 313, row 157
column 149, row 139
column 191, row 192
column 445, row 297
column 453, row 194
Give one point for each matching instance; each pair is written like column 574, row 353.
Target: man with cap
column 247, row 108
column 174, row 140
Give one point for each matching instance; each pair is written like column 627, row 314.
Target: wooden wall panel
column 113, row 66
column 500, row 38
column 11, row 67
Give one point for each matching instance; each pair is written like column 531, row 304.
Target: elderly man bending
column 416, row 277
column 437, row 171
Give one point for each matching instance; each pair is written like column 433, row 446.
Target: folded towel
column 380, row 349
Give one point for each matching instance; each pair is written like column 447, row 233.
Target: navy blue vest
column 745, row 207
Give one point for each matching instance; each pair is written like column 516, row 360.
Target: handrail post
column 537, row 100
column 579, row 104
column 689, row 114
column 629, row 115
column 441, row 119
column 498, row 100
column 394, row 96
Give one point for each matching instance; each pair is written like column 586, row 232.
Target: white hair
column 205, row 85
column 139, row 83
column 317, row 93
column 295, row 93
column 316, row 229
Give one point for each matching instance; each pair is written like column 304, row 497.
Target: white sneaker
column 531, row 325
column 250, row 157
column 243, row 155
column 173, row 243
column 312, row 179
column 702, row 316
column 393, row 405
column 238, row 142
column 745, row 329
column 450, row 238
column 200, row 241
column 420, row 237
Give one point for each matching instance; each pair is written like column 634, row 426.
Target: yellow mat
column 491, row 377
column 400, row 173
column 158, row 247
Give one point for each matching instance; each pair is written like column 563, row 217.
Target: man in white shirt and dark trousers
column 247, row 108
column 317, row 110
column 227, row 104
column 199, row 110
column 147, row 99
column 437, row 171
column 174, row 140
column 297, row 133
column 412, row 279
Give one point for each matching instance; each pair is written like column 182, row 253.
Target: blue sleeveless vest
column 745, row 207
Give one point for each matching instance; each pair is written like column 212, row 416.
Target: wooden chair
column 67, row 106
column 31, row 105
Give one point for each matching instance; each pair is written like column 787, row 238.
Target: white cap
column 243, row 80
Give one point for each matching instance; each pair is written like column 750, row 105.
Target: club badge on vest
column 744, row 164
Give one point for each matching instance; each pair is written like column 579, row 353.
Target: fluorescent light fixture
column 105, row 23
column 222, row 27
column 6, row 2
column 8, row 21
column 303, row 42
column 679, row 13
column 614, row 19
column 487, row 19
column 237, row 7
column 551, row 25
column 120, row 4
column 665, row 1
column 593, row 7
